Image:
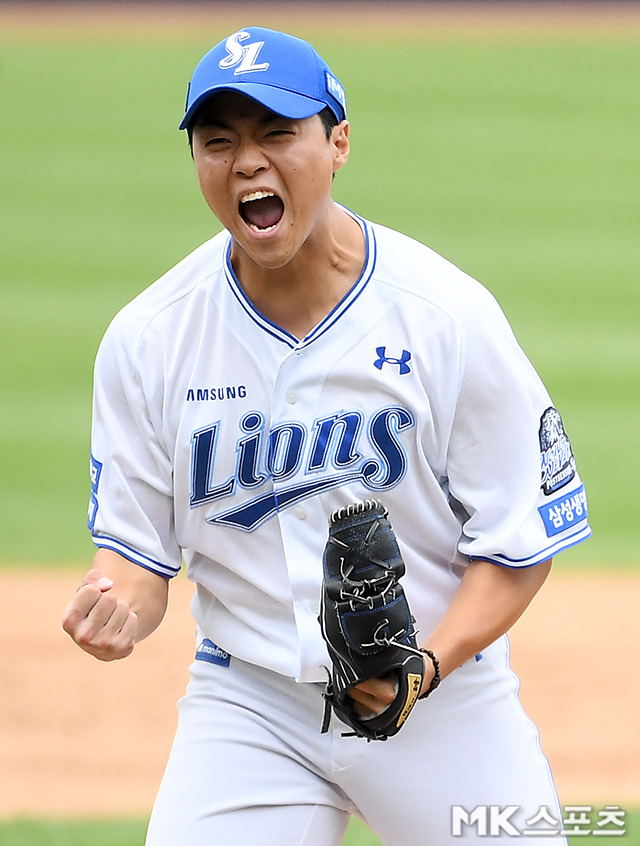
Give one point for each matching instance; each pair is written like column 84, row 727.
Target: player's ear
column 340, row 144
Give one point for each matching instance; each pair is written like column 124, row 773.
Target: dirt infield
column 82, row 738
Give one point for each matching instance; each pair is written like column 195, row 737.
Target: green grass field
column 124, row 833
column 517, row 158
column 131, row 833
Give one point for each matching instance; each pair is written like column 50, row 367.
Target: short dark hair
column 329, row 120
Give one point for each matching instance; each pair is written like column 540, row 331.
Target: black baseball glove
column 366, row 621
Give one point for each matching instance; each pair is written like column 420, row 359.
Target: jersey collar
column 334, row 315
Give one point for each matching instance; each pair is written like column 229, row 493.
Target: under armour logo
column 242, row 56
column 383, row 358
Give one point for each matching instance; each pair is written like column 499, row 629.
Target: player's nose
column 250, row 159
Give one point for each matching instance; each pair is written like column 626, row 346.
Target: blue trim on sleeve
column 165, row 570
column 539, row 557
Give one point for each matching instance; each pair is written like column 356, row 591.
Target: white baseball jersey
column 222, row 439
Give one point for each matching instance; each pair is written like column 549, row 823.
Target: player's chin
column 271, row 250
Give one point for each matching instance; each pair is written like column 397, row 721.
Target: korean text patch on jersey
column 565, row 512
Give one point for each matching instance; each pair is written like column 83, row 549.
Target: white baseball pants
column 249, row 765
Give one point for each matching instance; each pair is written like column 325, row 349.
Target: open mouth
column 261, row 210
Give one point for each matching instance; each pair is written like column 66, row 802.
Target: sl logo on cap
column 242, row 56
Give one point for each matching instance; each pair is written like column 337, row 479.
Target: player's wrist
column 430, row 661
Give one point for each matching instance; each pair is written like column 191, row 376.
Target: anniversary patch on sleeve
column 557, row 464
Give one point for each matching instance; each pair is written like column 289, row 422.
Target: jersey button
column 300, row 513
column 292, row 397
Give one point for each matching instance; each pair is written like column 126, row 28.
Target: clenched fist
column 99, row 622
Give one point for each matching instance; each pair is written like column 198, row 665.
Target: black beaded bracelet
column 435, row 681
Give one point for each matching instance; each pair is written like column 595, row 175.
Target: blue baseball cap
column 282, row 72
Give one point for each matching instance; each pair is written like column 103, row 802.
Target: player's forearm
column 144, row 592
column 489, row 600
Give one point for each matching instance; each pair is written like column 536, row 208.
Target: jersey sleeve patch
column 558, row 466
column 95, row 469
column 565, row 512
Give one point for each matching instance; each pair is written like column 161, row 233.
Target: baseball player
column 301, row 360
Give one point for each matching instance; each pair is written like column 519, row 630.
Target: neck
column 298, row 295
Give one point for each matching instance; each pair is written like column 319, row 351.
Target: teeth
column 256, row 195
column 257, row 228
